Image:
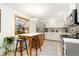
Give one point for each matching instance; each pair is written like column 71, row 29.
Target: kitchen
column 57, row 21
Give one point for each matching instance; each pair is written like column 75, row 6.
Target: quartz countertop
column 30, row 34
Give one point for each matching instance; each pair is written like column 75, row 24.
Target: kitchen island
column 30, row 36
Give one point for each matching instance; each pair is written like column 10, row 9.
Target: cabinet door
column 42, row 38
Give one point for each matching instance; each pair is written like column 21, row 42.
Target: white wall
column 32, row 27
column 7, row 21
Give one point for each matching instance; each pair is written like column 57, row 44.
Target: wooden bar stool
column 36, row 43
column 21, row 48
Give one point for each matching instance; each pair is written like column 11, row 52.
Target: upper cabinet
column 77, row 20
column 55, row 24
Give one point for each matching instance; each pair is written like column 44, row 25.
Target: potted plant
column 7, row 44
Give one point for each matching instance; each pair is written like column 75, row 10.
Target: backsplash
column 73, row 29
column 55, row 29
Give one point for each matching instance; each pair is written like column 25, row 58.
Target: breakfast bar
column 30, row 36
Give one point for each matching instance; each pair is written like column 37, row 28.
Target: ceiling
column 42, row 10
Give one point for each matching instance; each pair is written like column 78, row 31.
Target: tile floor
column 48, row 49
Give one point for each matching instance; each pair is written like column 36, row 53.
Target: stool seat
column 20, row 40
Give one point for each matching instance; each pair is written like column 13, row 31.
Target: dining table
column 29, row 36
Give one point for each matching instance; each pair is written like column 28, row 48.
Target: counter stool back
column 36, row 43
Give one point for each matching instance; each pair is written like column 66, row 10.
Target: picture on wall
column 21, row 26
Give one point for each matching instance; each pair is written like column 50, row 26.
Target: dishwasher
column 70, row 46
column 71, row 49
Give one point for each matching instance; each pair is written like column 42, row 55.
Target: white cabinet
column 52, row 36
column 55, row 24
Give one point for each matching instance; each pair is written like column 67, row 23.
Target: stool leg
column 26, row 46
column 16, row 48
column 39, row 44
column 36, row 46
column 21, row 48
